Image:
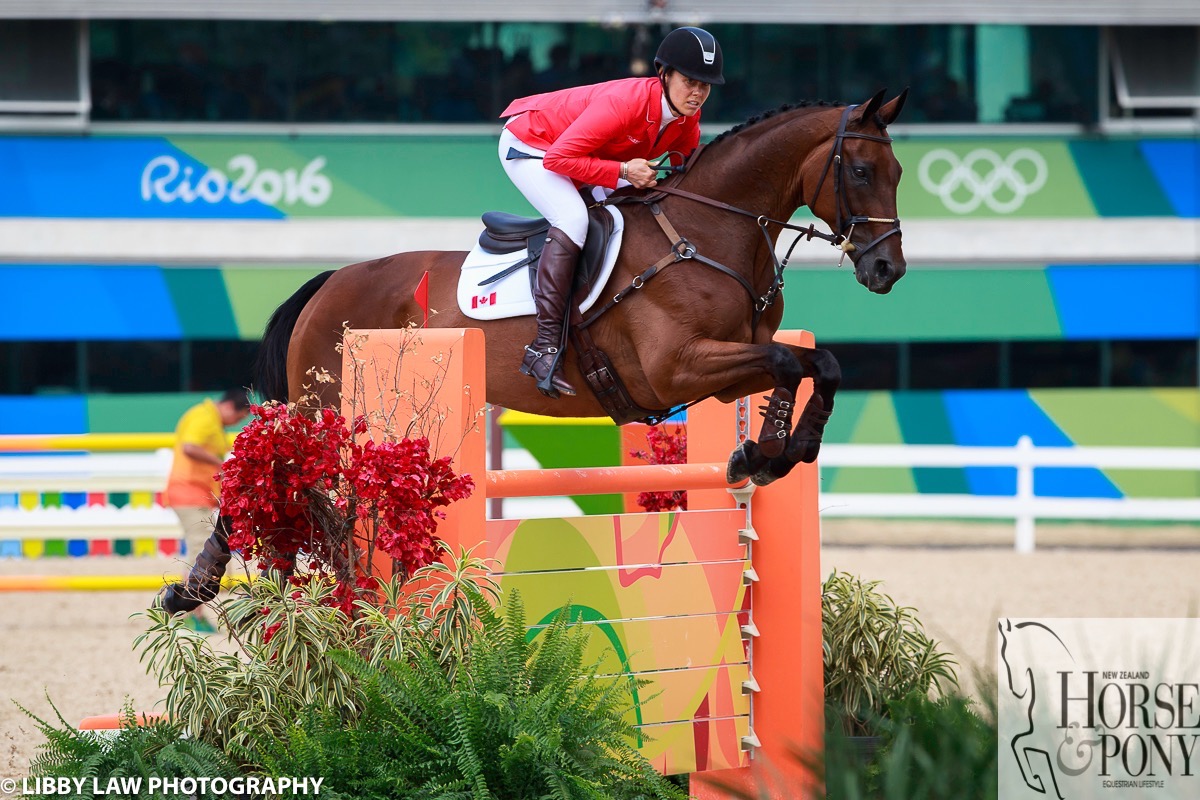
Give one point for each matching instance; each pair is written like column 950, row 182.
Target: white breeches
column 553, row 195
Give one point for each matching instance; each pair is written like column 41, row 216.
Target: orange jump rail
column 605, row 480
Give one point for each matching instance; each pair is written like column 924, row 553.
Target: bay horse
column 703, row 326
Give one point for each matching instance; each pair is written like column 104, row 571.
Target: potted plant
column 875, row 651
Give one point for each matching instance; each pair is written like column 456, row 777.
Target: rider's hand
column 641, row 174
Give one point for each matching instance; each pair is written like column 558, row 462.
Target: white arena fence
column 1024, row 507
column 147, row 472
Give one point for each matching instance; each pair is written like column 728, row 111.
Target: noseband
column 846, row 219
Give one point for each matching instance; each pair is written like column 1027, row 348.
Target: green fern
column 430, row 695
column 517, row 719
column 156, row 749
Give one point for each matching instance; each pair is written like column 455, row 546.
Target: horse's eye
column 859, row 172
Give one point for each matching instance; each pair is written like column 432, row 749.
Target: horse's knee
column 826, row 369
column 784, row 367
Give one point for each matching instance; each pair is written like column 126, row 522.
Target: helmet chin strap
column 662, row 78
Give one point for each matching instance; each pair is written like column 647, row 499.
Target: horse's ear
column 891, row 110
column 866, row 112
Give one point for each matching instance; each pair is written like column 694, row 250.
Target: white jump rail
column 132, row 472
column 148, row 472
column 1024, row 506
column 96, row 472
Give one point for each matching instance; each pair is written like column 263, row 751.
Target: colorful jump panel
column 661, row 595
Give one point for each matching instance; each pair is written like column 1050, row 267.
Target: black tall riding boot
column 555, row 277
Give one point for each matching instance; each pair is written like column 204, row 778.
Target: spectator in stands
column 559, row 74
column 193, row 489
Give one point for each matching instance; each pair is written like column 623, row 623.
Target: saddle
column 510, row 233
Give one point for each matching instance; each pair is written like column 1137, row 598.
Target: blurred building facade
column 168, row 176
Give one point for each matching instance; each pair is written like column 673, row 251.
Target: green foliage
column 874, row 651
column 518, row 719
column 426, row 692
column 934, row 749
column 929, row 749
column 231, row 698
column 284, row 634
column 157, row 749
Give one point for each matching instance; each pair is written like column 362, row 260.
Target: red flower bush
column 666, row 447
column 313, row 486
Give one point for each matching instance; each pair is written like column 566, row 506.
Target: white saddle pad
column 512, row 296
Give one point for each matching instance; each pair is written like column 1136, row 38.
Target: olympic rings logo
column 983, row 177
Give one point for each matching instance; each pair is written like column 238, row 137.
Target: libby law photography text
column 164, row 787
column 1098, row 708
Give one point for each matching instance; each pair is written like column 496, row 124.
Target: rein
column 683, row 250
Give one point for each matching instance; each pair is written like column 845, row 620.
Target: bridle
column 846, row 219
column 682, row 249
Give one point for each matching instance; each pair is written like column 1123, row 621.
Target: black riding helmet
column 693, row 52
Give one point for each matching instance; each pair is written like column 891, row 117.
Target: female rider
column 599, row 135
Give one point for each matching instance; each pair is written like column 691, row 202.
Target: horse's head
column 853, row 189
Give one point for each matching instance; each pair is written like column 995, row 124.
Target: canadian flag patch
column 483, row 300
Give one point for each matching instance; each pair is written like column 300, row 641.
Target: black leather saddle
column 509, row 233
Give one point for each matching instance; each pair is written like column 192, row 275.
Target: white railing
column 1024, row 506
column 95, row 472
column 92, row 473
column 148, row 472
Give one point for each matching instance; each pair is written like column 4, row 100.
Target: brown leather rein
column 684, row 250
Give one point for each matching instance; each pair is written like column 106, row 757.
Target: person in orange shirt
column 193, row 490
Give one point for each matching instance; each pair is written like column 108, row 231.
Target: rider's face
column 686, row 94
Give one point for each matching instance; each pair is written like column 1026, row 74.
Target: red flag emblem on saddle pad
column 483, row 300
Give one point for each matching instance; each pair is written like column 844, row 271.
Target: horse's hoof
column 763, row 477
column 738, row 468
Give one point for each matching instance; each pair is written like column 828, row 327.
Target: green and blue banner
column 276, row 177
column 1099, row 301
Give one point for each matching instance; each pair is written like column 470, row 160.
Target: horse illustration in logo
column 1015, row 639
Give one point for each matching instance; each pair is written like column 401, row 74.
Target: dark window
column 1154, row 363
column 220, row 364
column 36, row 367
column 39, row 66
column 954, row 365
column 1035, row 365
column 1155, row 70
column 130, row 367
column 867, row 366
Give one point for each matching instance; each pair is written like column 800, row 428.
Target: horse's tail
column 270, row 366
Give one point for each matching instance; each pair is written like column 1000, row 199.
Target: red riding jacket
column 588, row 131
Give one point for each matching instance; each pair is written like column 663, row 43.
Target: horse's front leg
column 805, row 441
column 786, row 371
column 712, row 367
column 765, row 465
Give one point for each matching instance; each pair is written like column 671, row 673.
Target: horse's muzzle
column 880, row 275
